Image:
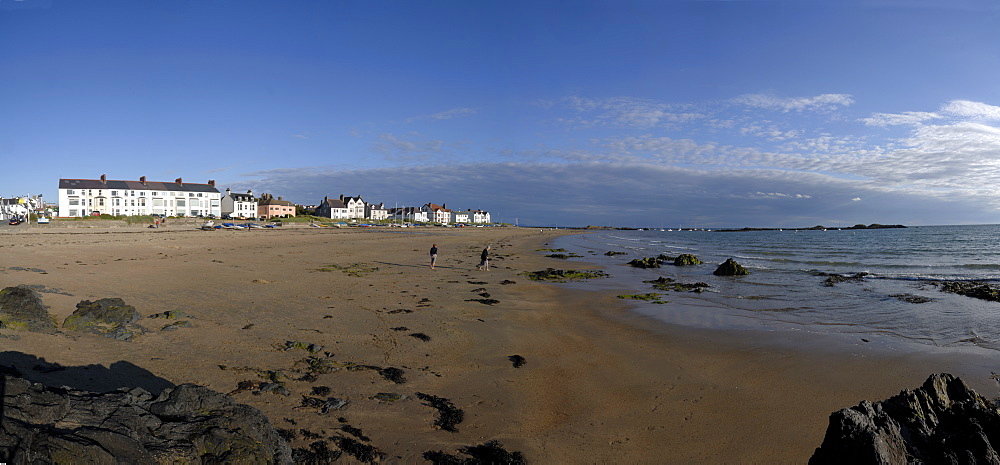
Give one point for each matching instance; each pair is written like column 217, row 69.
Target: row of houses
column 85, row 197
column 357, row 208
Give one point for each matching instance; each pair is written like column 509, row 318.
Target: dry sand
column 601, row 384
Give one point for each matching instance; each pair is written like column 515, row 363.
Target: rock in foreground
column 22, row 308
column 943, row 421
column 109, row 317
column 730, row 268
column 185, row 424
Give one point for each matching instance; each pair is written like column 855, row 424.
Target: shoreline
column 602, row 383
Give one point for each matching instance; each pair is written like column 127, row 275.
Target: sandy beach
column 600, row 384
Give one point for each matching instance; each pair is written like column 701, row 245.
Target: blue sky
column 647, row 113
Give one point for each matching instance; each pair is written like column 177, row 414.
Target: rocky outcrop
column 21, row 308
column 184, row 424
column 943, row 421
column 686, row 259
column 109, row 317
column 730, row 268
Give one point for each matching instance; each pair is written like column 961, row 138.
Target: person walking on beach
column 434, row 255
column 484, row 263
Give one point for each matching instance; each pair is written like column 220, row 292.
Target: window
column 181, row 203
column 154, row 193
column 74, row 202
column 70, row 192
column 73, row 212
column 114, row 193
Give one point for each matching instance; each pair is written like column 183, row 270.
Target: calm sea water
column 784, row 290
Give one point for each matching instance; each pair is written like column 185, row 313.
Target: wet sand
column 600, row 383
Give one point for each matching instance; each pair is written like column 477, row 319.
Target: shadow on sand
column 94, row 378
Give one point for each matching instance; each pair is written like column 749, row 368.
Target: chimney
column 179, row 181
column 104, row 179
column 142, row 180
column 444, row 205
column 228, row 191
column 341, row 198
column 279, row 197
column 211, row 182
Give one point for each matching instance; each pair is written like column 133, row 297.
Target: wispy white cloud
column 972, row 110
column 898, row 119
column 445, row 115
column 823, row 102
column 628, row 111
column 395, row 148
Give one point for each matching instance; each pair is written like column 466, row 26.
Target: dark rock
column 913, row 299
column 834, row 279
column 730, row 268
column 392, row 374
column 306, row 346
column 448, row 415
column 318, row 453
column 177, row 324
column 686, row 259
column 22, row 308
column 170, row 315
column 507, row 281
column 108, row 317
column 668, row 284
column 362, row 452
column 186, row 424
column 484, row 301
column 421, row 336
column 388, row 397
column 323, row 405
column 517, row 360
column 612, row 253
column 974, row 289
column 491, row 452
column 943, row 421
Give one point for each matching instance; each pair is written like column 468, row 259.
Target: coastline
column 602, row 383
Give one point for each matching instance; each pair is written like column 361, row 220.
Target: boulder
column 109, row 317
column 22, row 308
column 686, row 259
column 730, row 268
column 184, row 424
column 943, row 421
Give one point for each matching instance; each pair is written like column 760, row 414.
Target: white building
column 459, row 217
column 376, row 212
column 437, row 213
column 480, row 216
column 408, row 214
column 239, row 205
column 84, row 197
column 17, row 207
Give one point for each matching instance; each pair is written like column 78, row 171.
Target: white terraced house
column 239, row 205
column 85, row 197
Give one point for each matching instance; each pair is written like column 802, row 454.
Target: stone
column 184, row 424
column 686, row 259
column 943, row 421
column 22, row 309
column 108, row 317
column 730, row 268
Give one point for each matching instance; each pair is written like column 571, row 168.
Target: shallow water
column 786, row 291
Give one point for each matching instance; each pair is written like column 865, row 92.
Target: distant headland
column 818, row 228
column 814, row 228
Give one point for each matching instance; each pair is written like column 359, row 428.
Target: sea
column 899, row 299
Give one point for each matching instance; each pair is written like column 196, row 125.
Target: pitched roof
column 135, row 185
